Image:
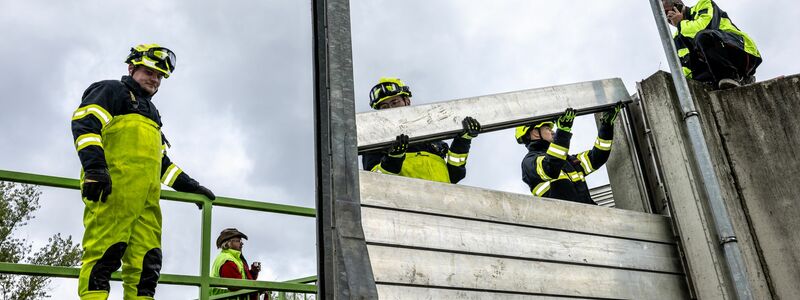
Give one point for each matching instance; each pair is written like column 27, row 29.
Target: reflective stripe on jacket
column 101, row 103
column 703, row 16
column 549, row 171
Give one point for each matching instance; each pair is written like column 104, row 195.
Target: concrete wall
column 624, row 172
column 429, row 240
column 760, row 134
column 751, row 133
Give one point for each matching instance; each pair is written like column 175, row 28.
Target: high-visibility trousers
column 126, row 229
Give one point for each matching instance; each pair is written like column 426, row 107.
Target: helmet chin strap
column 540, row 137
column 539, row 131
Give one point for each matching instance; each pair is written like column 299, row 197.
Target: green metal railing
column 281, row 295
column 204, row 280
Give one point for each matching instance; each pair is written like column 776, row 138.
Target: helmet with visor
column 387, row 88
column 521, row 132
column 154, row 57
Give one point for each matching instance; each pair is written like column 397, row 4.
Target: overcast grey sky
column 239, row 112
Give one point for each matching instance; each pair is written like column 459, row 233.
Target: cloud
column 239, row 109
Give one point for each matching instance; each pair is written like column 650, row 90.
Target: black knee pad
column 706, row 38
column 110, row 262
column 151, row 270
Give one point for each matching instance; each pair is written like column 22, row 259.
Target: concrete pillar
column 759, row 134
column 688, row 206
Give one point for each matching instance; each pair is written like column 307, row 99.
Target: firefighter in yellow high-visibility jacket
column 117, row 132
column 435, row 160
column 711, row 48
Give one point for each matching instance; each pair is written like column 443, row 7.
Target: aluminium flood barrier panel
column 429, row 240
column 442, row 120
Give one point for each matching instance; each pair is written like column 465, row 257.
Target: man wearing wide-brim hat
column 230, row 263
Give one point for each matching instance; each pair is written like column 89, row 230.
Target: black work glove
column 471, row 128
column 610, row 115
column 205, row 192
column 399, row 146
column 96, row 185
column 564, row 122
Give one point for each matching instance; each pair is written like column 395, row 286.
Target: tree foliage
column 18, row 202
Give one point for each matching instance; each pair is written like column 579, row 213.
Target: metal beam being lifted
column 442, row 120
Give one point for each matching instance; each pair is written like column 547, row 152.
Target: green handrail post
column 205, row 254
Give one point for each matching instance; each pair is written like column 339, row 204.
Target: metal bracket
column 691, row 114
column 728, row 239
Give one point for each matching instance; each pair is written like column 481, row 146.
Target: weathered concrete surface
column 758, row 196
column 760, row 134
column 691, row 218
column 647, row 153
column 625, row 178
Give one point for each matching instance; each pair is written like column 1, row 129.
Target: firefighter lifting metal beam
column 442, row 120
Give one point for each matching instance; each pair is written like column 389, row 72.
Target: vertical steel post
column 343, row 267
column 205, row 254
column 702, row 157
column 636, row 159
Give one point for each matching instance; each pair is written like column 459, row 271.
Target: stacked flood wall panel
column 430, row 240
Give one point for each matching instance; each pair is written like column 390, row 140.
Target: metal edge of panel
column 324, row 236
column 634, row 133
column 442, row 120
column 401, row 292
column 401, row 193
column 602, row 195
column 344, row 268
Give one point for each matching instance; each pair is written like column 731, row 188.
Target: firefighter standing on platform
column 117, row 133
column 549, row 170
column 435, row 160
